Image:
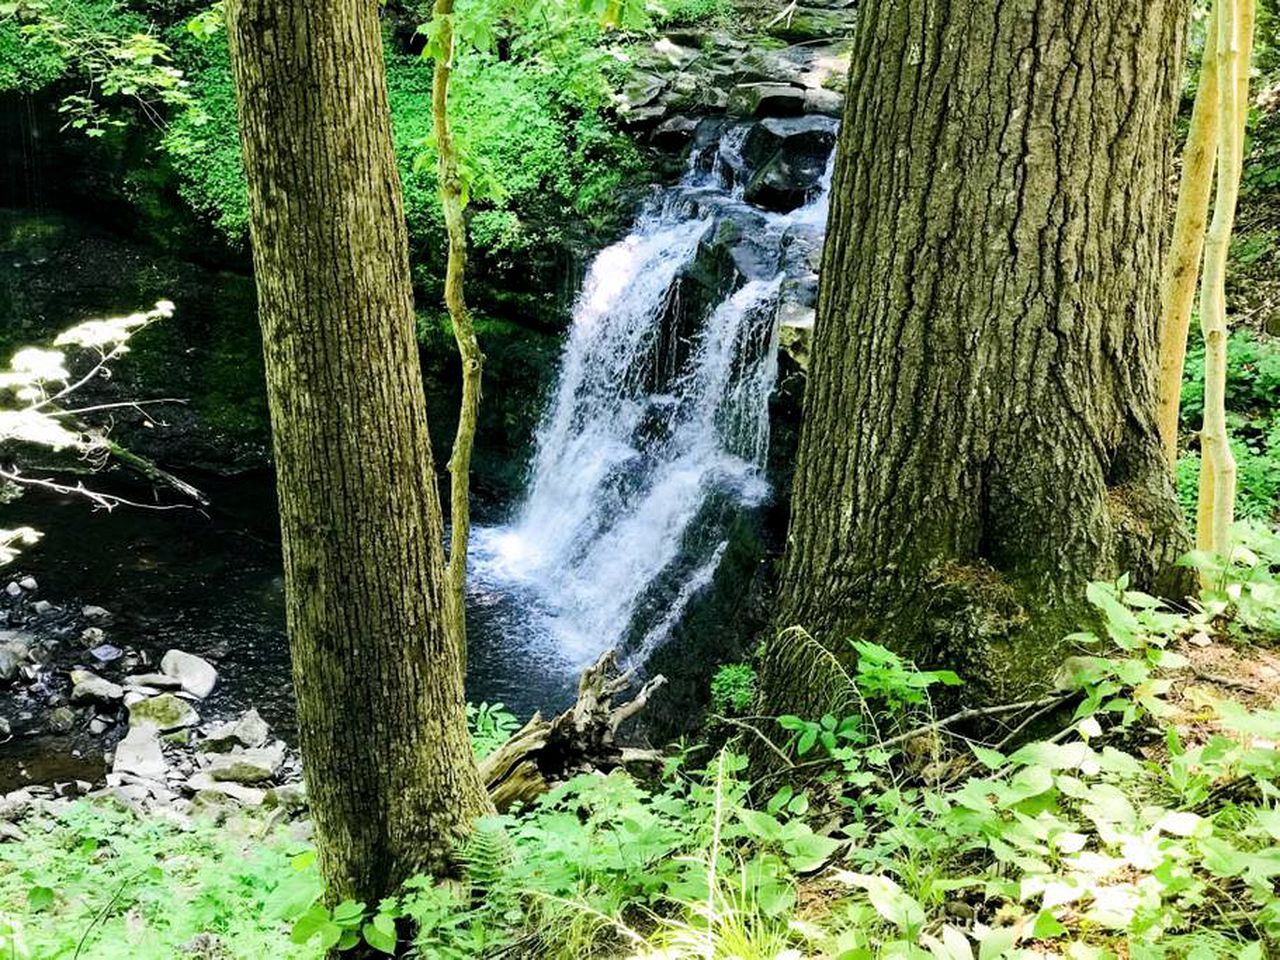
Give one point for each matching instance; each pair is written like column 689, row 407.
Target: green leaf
column 379, row 938
column 760, row 824
column 348, row 912
column 1047, row 926
column 889, row 900
column 310, row 923
column 40, row 898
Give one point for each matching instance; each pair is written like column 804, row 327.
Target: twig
column 101, row 501
column 972, row 713
column 764, row 739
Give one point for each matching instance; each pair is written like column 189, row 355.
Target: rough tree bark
column 980, row 435
column 381, row 717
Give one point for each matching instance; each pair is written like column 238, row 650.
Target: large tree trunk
column 381, row 715
column 979, row 436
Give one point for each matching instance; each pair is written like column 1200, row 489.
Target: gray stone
column 248, row 766
column 248, row 731
column 91, row 612
column 9, row 831
column 43, row 607
column 290, row 797
column 15, row 805
column 91, row 636
column 803, row 24
column 12, row 589
column 156, row 681
column 89, row 687
column 196, row 674
column 826, row 102
column 106, row 653
column 766, row 100
column 99, row 726
column 12, row 657
column 62, row 720
column 28, row 583
column 165, row 712
column 674, row 132
column 249, row 796
column 6, row 729
column 139, row 754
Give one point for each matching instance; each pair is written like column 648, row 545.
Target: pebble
column 28, row 583
column 41, row 607
column 13, row 589
column 92, row 612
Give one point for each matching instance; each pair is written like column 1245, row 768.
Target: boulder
column 674, row 132
column 87, row 687
column 785, row 159
column 197, row 675
column 165, row 712
column 825, row 102
column 248, row 766
column 248, row 731
column 766, row 100
column 804, row 24
column 13, row 655
column 139, row 754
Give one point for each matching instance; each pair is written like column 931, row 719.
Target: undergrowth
column 1127, row 811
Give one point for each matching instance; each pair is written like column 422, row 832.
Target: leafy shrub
column 733, row 688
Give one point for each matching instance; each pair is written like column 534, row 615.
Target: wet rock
column 90, row 612
column 196, row 675
column 163, row 713
column 87, row 687
column 12, row 589
column 62, row 720
column 43, row 608
column 6, row 729
column 13, row 656
column 106, row 653
column 92, row 636
column 152, row 681
column 766, row 100
column 674, row 132
column 10, row 831
column 248, row 766
column 28, row 583
column 99, row 725
column 248, row 731
column 139, row 754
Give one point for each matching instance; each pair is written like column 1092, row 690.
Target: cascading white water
column 647, row 426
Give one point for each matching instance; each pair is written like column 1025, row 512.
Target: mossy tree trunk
column 979, row 436
column 381, row 716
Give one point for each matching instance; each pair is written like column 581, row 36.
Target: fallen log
column 580, row 740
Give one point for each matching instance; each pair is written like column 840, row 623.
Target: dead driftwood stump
column 580, row 740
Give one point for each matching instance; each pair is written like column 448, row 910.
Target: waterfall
column 658, row 421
